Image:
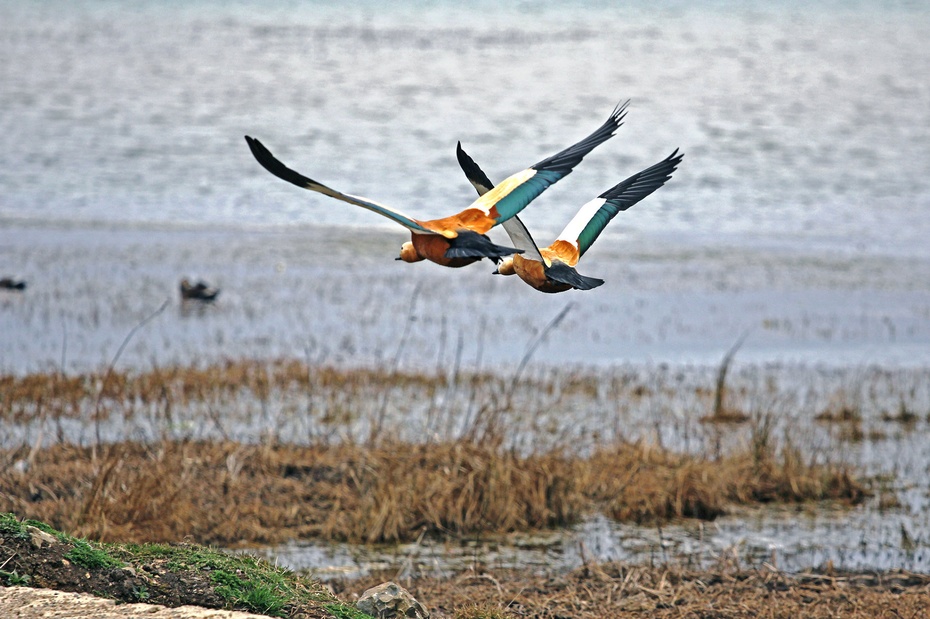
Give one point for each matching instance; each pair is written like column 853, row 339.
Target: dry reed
column 229, row 493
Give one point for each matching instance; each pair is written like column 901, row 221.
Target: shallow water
column 338, row 296
column 798, row 216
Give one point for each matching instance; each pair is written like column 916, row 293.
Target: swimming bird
column 460, row 239
column 552, row 269
column 8, row 283
column 201, row 291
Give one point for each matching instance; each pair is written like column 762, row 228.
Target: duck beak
column 398, row 258
column 495, row 272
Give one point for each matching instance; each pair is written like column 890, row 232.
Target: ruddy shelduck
column 552, row 269
column 460, row 239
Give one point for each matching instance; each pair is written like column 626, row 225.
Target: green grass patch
column 232, row 581
column 242, row 581
column 93, row 557
column 12, row 579
column 10, row 525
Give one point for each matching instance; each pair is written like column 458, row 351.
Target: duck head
column 505, row 266
column 408, row 253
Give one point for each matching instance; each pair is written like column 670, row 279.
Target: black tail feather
column 564, row 274
column 470, row 244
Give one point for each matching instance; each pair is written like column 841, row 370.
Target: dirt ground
column 607, row 592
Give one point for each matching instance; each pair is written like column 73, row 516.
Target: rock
column 29, row 603
column 390, row 600
column 40, row 538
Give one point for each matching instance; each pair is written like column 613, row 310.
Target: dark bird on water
column 201, row 291
column 8, row 283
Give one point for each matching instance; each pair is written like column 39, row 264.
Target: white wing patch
column 502, row 190
column 574, row 228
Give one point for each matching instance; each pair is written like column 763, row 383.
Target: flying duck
column 459, row 239
column 552, row 269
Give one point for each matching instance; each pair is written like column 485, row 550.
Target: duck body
column 534, row 273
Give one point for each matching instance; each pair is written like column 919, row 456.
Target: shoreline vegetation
column 190, row 575
column 131, row 463
column 177, row 468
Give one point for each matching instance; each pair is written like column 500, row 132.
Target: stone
column 391, row 601
column 40, row 538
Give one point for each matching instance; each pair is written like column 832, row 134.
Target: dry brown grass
column 618, row 591
column 342, row 487
column 229, row 493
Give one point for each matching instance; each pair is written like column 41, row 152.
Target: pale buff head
column 408, row 253
column 505, row 266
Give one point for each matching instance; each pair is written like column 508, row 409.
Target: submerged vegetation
column 256, row 453
column 351, row 455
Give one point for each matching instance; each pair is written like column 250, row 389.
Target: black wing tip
column 273, row 165
column 619, row 112
column 473, row 171
column 564, row 161
column 258, row 149
column 641, row 184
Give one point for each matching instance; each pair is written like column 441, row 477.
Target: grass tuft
column 91, row 557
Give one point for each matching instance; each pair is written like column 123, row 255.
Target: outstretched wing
column 519, row 235
column 594, row 216
column 516, row 191
column 270, row 163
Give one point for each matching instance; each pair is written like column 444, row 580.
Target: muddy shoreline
column 38, row 556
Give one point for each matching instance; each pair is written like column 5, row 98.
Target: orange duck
column 552, row 269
